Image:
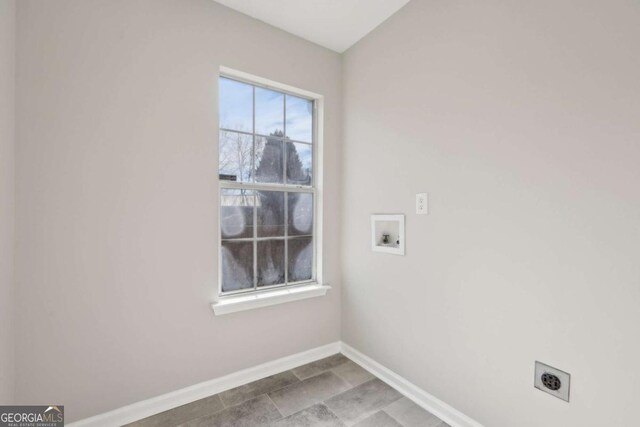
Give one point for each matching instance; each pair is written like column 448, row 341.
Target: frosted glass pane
column 237, row 265
column 236, row 105
column 270, row 207
column 270, row 262
column 236, row 213
column 235, row 154
column 300, row 259
column 300, row 211
column 269, row 112
column 269, row 160
column 299, row 163
column 299, row 119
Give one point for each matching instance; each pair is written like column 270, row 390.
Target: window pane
column 300, row 214
column 269, row 112
column 270, row 262
column 299, row 119
column 300, row 259
column 235, row 156
column 269, row 162
column 236, row 105
column 236, row 213
column 299, row 163
column 237, row 265
column 265, row 137
column 270, row 205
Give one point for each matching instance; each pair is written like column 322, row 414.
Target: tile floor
column 329, row 392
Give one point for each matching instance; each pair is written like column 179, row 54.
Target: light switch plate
column 422, row 204
column 552, row 380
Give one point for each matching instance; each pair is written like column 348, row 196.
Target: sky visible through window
column 236, row 113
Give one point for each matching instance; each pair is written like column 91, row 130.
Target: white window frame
column 257, row 297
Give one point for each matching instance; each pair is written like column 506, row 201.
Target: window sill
column 232, row 304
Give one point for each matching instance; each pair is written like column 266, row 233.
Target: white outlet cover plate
column 422, row 204
column 565, row 380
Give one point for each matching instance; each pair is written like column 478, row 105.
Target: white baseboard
column 145, row 408
column 437, row 407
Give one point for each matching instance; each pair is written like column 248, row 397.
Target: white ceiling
column 335, row 24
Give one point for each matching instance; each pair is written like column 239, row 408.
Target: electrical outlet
column 422, row 204
column 552, row 380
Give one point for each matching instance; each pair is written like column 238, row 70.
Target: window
column 267, row 170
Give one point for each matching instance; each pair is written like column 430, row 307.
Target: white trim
column 234, row 185
column 248, row 301
column 269, row 84
column 146, row 408
column 318, row 177
column 318, row 180
column 437, row 407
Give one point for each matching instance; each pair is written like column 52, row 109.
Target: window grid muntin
column 259, row 134
column 255, row 195
column 263, row 136
column 286, row 195
column 285, row 238
column 284, row 187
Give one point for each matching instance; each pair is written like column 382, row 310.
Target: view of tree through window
column 267, row 192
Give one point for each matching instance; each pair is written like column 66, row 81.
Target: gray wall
column 522, row 121
column 117, row 199
column 7, row 160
